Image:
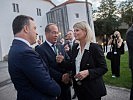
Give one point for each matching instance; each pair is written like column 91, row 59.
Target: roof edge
column 73, row 1
column 50, row 2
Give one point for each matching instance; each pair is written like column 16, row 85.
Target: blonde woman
column 89, row 64
column 117, row 45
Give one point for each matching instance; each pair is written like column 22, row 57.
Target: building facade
column 44, row 12
column 11, row 8
column 70, row 12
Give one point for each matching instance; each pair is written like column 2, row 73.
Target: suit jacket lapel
column 85, row 59
column 49, row 49
column 75, row 53
column 20, row 43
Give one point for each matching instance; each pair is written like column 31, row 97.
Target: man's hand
column 59, row 58
column 66, row 47
column 65, row 78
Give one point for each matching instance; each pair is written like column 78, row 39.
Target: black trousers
column 131, row 92
column 84, row 95
column 89, row 98
column 65, row 93
column 115, row 65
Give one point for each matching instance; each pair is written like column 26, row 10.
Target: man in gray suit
column 129, row 39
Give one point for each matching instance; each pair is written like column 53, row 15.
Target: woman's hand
column 119, row 42
column 81, row 75
column 66, row 47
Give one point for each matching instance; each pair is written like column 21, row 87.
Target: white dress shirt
column 23, row 40
column 80, row 55
column 51, row 45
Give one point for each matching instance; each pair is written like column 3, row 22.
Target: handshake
column 59, row 58
column 66, row 78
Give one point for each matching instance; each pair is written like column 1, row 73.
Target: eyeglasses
column 54, row 32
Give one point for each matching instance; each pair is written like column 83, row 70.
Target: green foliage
column 107, row 21
column 126, row 11
column 125, row 74
column 107, row 9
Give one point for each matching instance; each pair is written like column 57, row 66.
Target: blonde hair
column 83, row 25
column 117, row 33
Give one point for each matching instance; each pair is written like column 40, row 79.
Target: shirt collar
column 23, row 40
column 87, row 46
column 71, row 41
column 50, row 44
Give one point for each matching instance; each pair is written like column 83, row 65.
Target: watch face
column 115, row 52
column 79, row 83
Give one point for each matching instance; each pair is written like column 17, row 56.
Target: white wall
column 5, row 25
column 79, row 8
column 26, row 7
column 74, row 8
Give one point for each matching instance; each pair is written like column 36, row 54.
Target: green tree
column 126, row 11
column 107, row 20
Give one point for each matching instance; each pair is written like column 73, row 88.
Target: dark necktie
column 54, row 48
column 70, row 43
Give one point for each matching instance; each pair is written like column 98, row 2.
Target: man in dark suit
column 55, row 57
column 70, row 42
column 28, row 71
column 129, row 40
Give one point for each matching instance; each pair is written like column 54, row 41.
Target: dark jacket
column 30, row 74
column 129, row 40
column 70, row 48
column 48, row 55
column 94, row 61
column 56, row 69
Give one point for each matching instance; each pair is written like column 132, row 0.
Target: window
column 15, row 7
column 38, row 12
column 77, row 15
